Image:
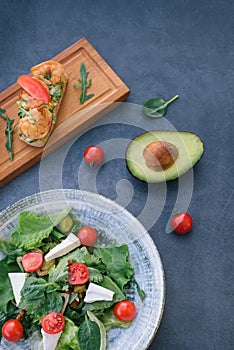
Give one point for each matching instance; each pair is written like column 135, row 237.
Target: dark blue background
column 159, row 48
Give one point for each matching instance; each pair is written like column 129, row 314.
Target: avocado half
column 189, row 150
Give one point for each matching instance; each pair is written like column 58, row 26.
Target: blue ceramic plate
column 113, row 223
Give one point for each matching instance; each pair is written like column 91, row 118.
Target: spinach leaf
column 84, row 84
column 116, row 262
column 32, row 229
column 157, row 107
column 10, row 249
column 6, row 291
column 40, row 297
column 89, row 335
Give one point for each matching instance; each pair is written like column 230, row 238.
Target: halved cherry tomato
column 12, row 330
column 34, row 88
column 182, row 223
column 53, row 322
column 87, row 236
column 32, row 261
column 78, row 274
column 124, row 310
column 94, row 155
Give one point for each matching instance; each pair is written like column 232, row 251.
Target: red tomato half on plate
column 78, row 274
column 34, row 88
column 32, row 261
column 53, row 322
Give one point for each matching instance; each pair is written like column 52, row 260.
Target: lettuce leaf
column 109, row 320
column 69, row 337
column 32, row 229
column 116, row 263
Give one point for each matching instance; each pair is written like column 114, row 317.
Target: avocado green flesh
column 190, row 149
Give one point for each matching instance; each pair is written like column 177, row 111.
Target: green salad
column 58, row 282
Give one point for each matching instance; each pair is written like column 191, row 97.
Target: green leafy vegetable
column 32, row 229
column 69, row 337
column 101, row 305
column 89, row 335
column 6, row 291
column 116, row 262
column 109, row 320
column 84, row 84
column 40, row 297
column 157, row 107
column 8, row 132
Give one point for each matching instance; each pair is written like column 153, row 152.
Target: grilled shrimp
column 37, row 125
column 49, row 72
column 30, row 102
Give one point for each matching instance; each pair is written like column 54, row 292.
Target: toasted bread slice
column 35, row 127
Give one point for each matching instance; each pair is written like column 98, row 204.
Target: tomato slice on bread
column 32, row 261
column 78, row 274
column 53, row 323
column 34, row 88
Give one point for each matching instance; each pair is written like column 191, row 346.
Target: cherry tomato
column 32, row 261
column 53, row 322
column 78, row 274
column 87, row 236
column 124, row 310
column 94, row 155
column 34, row 88
column 12, row 330
column 182, row 223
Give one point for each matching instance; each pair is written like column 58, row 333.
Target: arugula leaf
column 8, row 132
column 89, row 335
column 157, row 107
column 116, row 262
column 32, row 229
column 6, row 291
column 84, row 84
column 69, row 337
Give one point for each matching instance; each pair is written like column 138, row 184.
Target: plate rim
column 118, row 207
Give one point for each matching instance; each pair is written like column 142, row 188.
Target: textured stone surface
column 159, row 48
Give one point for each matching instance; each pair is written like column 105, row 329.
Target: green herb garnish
column 84, row 84
column 8, row 132
column 157, row 107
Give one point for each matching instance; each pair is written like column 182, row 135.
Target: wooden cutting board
column 73, row 117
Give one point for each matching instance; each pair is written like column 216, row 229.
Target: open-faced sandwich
column 39, row 101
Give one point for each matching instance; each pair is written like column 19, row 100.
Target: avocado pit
column 160, row 155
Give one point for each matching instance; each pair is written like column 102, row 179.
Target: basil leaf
column 89, row 335
column 157, row 107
